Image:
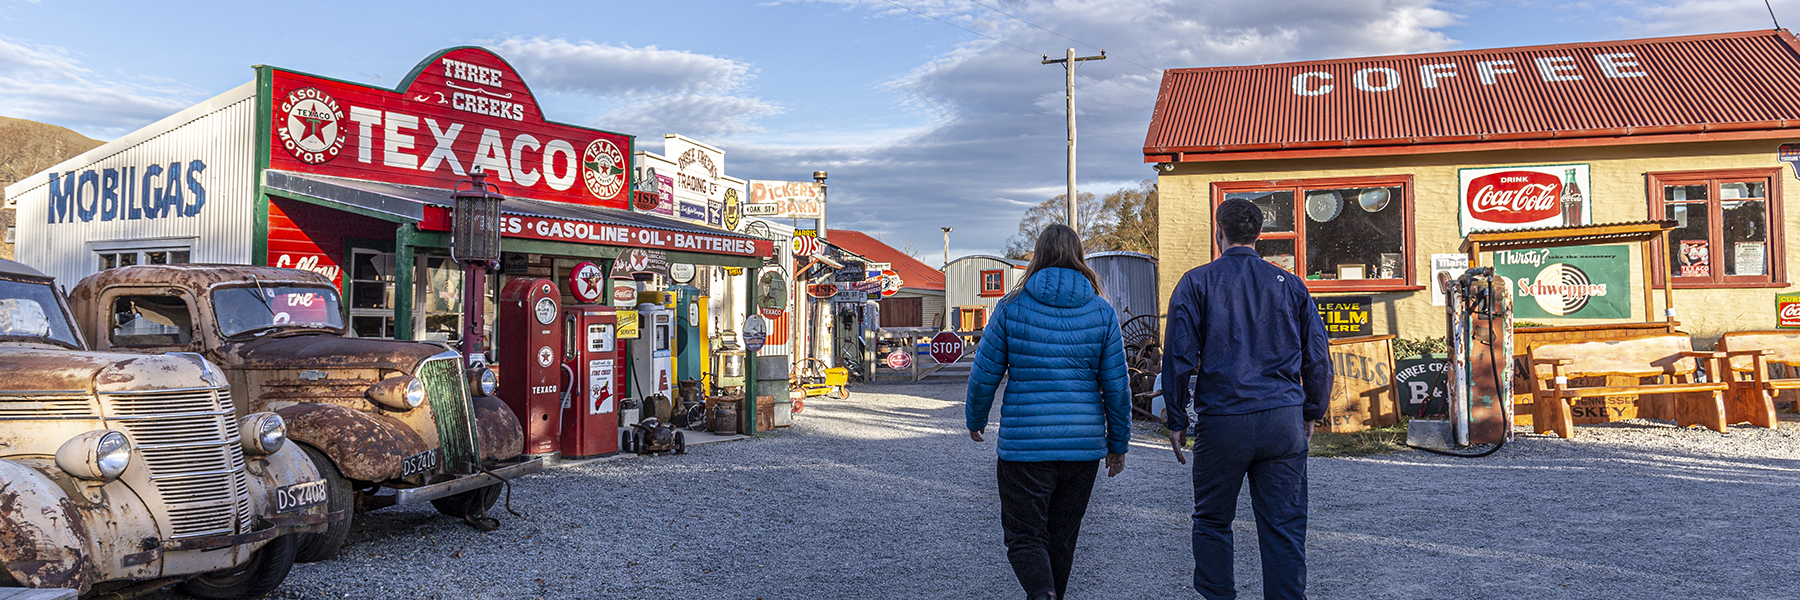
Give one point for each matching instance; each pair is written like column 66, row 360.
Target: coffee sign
column 1524, row 197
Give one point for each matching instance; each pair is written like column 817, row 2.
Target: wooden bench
column 1671, row 356
column 1751, row 353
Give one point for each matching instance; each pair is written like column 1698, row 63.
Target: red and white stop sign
column 946, row 347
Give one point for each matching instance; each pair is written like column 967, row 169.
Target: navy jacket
column 1068, row 396
column 1252, row 334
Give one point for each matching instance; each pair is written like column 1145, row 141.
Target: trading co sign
column 461, row 109
column 1524, row 197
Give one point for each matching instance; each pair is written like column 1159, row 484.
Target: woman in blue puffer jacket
column 1068, row 405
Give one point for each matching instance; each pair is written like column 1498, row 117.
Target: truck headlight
column 403, row 392
column 263, row 433
column 483, row 380
column 95, row 456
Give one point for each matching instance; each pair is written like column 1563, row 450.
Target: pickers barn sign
column 460, row 109
column 1524, row 197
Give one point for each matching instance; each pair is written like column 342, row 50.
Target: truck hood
column 28, row 369
column 325, row 351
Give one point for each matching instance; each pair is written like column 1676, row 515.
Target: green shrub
column 1404, row 347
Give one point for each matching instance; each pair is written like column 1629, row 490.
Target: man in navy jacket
column 1248, row 338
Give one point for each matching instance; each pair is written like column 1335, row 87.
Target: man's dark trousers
column 1041, row 505
column 1269, row 447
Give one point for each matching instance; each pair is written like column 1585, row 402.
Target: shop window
column 110, row 259
column 372, row 293
column 1337, row 234
column 1722, row 235
column 440, row 300
column 150, row 321
column 993, row 283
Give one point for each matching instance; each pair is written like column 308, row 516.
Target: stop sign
column 946, row 347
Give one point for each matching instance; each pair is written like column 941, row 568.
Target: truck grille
column 189, row 442
column 443, row 379
column 47, row 405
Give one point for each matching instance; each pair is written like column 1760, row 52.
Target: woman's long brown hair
column 1057, row 246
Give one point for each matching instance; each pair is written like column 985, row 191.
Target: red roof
column 1722, row 86
column 913, row 272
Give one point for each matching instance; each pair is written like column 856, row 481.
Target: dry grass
column 1361, row 443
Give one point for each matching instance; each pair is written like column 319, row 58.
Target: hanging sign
column 1345, row 316
column 821, row 290
column 734, row 210
column 1524, row 197
column 852, row 272
column 681, row 272
column 1787, row 310
column 773, row 300
column 890, row 282
column 460, row 109
column 787, row 199
column 586, row 282
column 637, row 260
column 1579, row 282
column 806, row 245
column 755, row 334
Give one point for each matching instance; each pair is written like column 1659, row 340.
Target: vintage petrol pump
column 652, row 356
column 1479, row 315
column 593, row 381
column 690, row 342
column 529, row 360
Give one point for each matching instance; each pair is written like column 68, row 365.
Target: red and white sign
column 586, row 282
column 461, row 109
column 564, row 230
column 1523, row 197
column 899, row 359
column 946, row 347
column 1787, row 307
column 890, row 283
column 806, row 245
column 822, row 290
column 624, row 292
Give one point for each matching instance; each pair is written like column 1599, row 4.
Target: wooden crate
column 1362, row 396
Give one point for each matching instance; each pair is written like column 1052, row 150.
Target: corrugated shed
column 126, row 199
column 1747, row 81
column 1127, row 281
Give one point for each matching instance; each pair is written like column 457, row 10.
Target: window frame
column 1409, row 280
column 1775, row 252
column 998, row 291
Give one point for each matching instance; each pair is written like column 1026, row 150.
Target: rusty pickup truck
column 123, row 472
column 386, row 421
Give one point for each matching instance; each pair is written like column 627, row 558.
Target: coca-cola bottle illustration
column 1571, row 199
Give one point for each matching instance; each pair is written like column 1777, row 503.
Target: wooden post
column 1668, row 282
column 1649, row 283
column 1474, row 254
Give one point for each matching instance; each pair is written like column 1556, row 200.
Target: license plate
column 289, row 498
column 419, row 463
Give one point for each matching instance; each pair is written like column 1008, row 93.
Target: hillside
column 27, row 147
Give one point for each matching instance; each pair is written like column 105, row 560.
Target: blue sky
column 922, row 124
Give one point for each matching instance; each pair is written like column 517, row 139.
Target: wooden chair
column 1670, row 355
column 1750, row 354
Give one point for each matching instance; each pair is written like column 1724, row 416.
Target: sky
column 926, row 113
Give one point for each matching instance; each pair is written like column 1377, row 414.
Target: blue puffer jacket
column 1068, row 396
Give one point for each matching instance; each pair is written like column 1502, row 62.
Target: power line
column 1022, row 20
column 1022, row 49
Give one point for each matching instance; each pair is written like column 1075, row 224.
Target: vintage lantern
column 475, row 242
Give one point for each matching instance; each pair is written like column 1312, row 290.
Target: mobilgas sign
column 461, row 109
column 1587, row 282
column 153, row 191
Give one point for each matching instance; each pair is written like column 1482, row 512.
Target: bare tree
column 1123, row 220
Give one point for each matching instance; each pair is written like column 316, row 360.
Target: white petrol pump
column 652, row 378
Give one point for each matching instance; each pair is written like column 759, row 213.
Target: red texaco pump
column 530, row 355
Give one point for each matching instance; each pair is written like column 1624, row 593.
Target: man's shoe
column 1045, row 596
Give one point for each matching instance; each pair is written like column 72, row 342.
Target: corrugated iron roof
column 1732, row 82
column 914, row 273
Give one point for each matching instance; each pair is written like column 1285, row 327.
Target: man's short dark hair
column 1240, row 220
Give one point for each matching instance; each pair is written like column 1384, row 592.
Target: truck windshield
column 242, row 309
column 30, row 310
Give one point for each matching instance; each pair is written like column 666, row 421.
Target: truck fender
column 364, row 446
column 43, row 540
column 502, row 436
column 285, row 467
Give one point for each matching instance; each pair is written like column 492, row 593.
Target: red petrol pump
column 593, row 381
column 530, row 361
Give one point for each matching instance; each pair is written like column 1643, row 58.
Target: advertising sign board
column 1523, row 197
column 1345, row 316
column 1787, row 310
column 786, row 199
column 697, row 178
column 1579, row 282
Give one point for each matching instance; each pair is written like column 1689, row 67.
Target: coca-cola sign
column 1524, row 197
column 1515, row 197
column 1787, row 310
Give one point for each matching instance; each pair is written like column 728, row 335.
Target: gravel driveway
column 884, row 496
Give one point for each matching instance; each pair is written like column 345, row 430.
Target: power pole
column 1068, row 63
column 946, row 247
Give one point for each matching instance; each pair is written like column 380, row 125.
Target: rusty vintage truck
column 127, row 471
column 374, row 414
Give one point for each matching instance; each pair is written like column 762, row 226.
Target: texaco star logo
column 309, row 126
column 603, row 169
column 546, row 356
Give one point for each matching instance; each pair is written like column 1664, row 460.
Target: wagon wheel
column 1141, row 331
column 1145, row 364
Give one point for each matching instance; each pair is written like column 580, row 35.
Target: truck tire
column 254, row 579
column 314, row 547
column 473, row 502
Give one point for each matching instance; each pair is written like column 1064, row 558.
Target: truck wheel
column 314, row 547
column 473, row 502
column 260, row 575
column 680, row 443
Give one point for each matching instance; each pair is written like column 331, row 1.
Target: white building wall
column 60, row 232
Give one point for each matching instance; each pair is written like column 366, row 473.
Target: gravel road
column 884, row 496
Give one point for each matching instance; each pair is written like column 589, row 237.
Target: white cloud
column 1704, row 16
column 43, row 83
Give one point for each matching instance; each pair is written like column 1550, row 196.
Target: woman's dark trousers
column 1041, row 505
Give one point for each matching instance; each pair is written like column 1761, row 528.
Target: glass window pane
column 108, row 261
column 444, row 286
column 1691, row 246
column 369, row 266
column 144, row 321
column 1357, row 232
column 127, row 259
column 178, row 257
column 372, row 327
column 156, row 257
column 442, row 327
column 1746, row 237
column 365, row 294
column 1277, row 207
column 1278, row 252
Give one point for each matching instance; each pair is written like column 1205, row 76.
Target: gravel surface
column 884, row 496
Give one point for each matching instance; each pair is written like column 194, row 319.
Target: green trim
column 259, row 215
column 403, row 280
column 748, row 408
column 327, row 203
column 565, row 249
